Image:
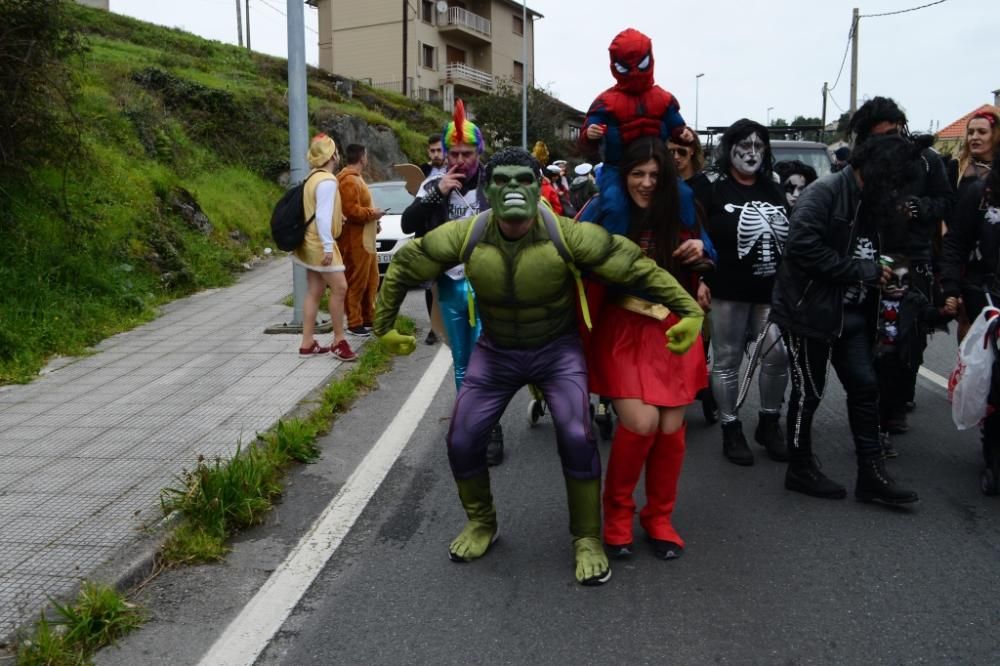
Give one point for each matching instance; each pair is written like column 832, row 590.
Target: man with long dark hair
column 908, row 233
column 826, row 303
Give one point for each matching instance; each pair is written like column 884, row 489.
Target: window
column 518, row 74
column 427, row 57
column 427, row 11
column 518, row 25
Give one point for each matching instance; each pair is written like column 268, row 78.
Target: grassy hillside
column 166, row 124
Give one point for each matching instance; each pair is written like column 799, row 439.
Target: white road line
column 933, row 377
column 247, row 635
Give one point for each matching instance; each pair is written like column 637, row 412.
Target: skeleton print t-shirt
column 748, row 225
column 863, row 249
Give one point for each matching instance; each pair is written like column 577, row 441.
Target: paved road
column 768, row 576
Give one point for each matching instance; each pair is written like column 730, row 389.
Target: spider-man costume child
column 632, row 108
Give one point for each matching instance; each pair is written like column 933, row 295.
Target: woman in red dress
column 650, row 386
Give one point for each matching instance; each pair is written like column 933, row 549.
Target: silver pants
column 734, row 325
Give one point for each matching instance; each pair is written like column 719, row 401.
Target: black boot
column 709, row 407
column 804, row 476
column 875, row 484
column 769, row 435
column 734, row 444
column 494, row 449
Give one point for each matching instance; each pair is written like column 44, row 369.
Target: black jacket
column 431, row 210
column 818, row 264
column 930, row 186
column 971, row 253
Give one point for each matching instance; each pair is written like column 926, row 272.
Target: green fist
column 683, row 334
column 397, row 343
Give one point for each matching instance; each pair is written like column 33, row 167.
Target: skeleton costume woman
column 748, row 225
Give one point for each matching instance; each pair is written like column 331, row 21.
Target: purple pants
column 492, row 378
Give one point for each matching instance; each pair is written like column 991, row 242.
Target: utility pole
column 524, row 73
column 822, row 130
column 239, row 24
column 854, row 61
column 298, row 129
column 248, row 25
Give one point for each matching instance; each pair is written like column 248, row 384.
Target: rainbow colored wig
column 460, row 130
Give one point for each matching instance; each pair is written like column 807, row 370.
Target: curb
column 133, row 562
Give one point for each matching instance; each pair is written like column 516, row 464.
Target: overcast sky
column 938, row 62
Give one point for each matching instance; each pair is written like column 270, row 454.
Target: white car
column 391, row 196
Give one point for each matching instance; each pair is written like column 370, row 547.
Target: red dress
column 627, row 355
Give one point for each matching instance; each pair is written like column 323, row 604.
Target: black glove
column 912, row 208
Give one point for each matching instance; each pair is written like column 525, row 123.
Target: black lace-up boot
column 875, row 484
column 804, row 476
column 769, row 435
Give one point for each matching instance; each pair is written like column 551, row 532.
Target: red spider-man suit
column 632, row 108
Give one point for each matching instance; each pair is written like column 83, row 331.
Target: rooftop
column 956, row 130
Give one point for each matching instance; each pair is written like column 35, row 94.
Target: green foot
column 473, row 542
column 592, row 566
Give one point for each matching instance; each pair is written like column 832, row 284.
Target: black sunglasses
column 683, row 152
column 521, row 179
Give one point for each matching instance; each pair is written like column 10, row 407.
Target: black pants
column 897, row 383
column 853, row 358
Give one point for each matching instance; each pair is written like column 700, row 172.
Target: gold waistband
column 643, row 307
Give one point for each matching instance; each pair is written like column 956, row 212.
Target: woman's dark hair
column 787, row 168
column 871, row 113
column 663, row 216
column 738, row 131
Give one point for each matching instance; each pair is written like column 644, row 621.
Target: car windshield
column 817, row 159
column 391, row 195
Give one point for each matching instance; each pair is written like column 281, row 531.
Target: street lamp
column 696, row 77
column 769, row 109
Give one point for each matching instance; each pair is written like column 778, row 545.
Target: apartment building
column 435, row 50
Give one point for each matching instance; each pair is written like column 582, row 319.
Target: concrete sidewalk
column 87, row 447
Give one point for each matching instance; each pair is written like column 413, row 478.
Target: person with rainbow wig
column 457, row 194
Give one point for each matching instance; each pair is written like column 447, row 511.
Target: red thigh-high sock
column 663, row 469
column 628, row 455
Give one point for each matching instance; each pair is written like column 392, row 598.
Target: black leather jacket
column 970, row 258
column 818, row 264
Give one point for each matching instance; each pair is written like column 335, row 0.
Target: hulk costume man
column 526, row 296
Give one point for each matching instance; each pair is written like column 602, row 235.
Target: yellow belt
column 643, row 307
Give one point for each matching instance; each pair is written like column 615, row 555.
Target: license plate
column 384, row 257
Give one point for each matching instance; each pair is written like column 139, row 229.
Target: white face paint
column 748, row 155
column 793, row 188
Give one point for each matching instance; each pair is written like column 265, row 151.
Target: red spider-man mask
column 632, row 61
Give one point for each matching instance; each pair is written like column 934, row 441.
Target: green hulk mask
column 513, row 193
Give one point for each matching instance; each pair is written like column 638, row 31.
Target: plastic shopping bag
column 969, row 384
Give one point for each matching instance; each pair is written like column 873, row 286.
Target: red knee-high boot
column 663, row 469
column 628, row 455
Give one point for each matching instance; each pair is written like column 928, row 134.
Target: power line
column 835, row 102
column 265, row 2
column 902, row 11
column 850, row 34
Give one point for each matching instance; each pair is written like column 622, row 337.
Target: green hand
column 683, row 334
column 397, row 343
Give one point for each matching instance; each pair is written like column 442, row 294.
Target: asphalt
column 768, row 576
column 87, row 447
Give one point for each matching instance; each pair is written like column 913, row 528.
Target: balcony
column 463, row 76
column 461, row 23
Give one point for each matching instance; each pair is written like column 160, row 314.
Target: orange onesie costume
column 357, row 244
